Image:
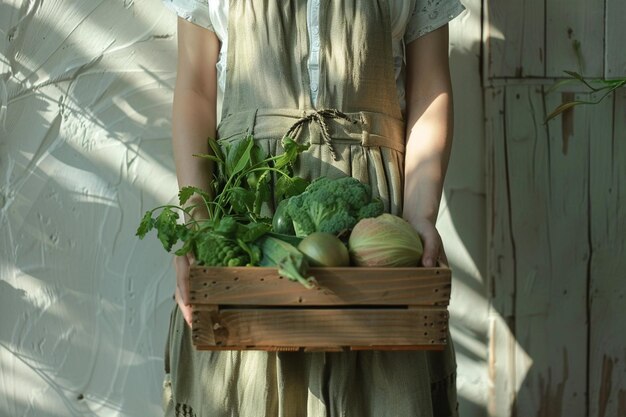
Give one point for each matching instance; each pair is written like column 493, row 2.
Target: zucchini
column 290, row 262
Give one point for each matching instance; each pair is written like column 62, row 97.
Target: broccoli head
column 216, row 250
column 332, row 206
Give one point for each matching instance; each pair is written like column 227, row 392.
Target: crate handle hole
column 262, row 279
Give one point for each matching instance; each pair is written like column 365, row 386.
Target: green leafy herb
column 242, row 176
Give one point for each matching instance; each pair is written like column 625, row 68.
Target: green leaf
column 580, row 78
column 167, row 228
column 147, row 223
column 252, row 249
column 241, row 200
column 186, row 248
column 257, row 155
column 227, row 226
column 289, row 186
column 253, row 231
column 291, row 150
column 563, row 107
column 238, row 155
column 262, row 193
column 217, row 150
column 186, row 192
column 208, row 156
column 292, row 240
column 252, row 179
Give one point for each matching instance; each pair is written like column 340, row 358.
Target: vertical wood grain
column 514, row 34
column 548, row 173
column 607, row 370
column 575, row 37
column 501, row 265
column 615, row 33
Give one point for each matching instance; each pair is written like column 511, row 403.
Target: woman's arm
column 193, row 121
column 428, row 136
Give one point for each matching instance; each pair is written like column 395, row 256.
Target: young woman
column 382, row 63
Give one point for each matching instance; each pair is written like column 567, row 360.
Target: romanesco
column 332, row 206
column 216, row 250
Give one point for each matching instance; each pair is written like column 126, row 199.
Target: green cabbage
column 385, row 241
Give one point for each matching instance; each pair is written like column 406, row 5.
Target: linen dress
column 268, row 92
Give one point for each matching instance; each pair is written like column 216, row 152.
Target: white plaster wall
column 85, row 93
column 85, row 90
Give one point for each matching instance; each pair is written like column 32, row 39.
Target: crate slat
column 339, row 286
column 320, row 329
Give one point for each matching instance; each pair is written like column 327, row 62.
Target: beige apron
column 268, row 93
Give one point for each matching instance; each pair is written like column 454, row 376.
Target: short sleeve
column 194, row 11
column 429, row 15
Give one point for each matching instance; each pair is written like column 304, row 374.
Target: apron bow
column 319, row 117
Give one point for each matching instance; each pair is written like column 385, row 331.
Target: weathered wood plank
column 501, row 265
column 338, row 286
column 607, row 359
column 549, row 200
column 575, row 37
column 528, row 193
column 326, row 328
column 514, row 36
column 615, row 33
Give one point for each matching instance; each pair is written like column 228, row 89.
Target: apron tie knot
column 319, row 117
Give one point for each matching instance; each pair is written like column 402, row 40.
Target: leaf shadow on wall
column 84, row 153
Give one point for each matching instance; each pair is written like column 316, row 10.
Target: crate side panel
column 245, row 328
column 338, row 286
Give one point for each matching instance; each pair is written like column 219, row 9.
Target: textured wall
column 85, row 90
column 85, row 93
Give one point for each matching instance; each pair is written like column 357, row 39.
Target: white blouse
column 410, row 19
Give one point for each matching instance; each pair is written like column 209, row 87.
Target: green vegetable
column 290, row 262
column 213, row 249
column 240, row 187
column 281, row 222
column 385, row 241
column 324, row 249
column 332, row 206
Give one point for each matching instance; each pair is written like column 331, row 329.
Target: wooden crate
column 244, row 308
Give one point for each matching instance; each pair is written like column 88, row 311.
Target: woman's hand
column 429, row 137
column 433, row 245
column 194, row 119
column 181, row 295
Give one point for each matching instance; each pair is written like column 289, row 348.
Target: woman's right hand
column 181, row 295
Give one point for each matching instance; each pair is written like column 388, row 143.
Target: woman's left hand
column 433, row 246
